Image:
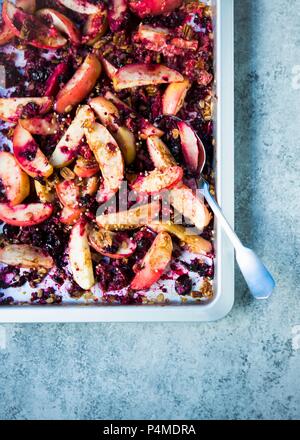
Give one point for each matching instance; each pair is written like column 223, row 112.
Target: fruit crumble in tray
column 103, row 106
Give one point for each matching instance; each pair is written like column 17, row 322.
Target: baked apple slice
column 28, row 154
column 25, row 215
column 126, row 141
column 27, row 5
column 67, row 148
column 111, row 244
column 86, row 167
column 107, row 112
column 132, row 219
column 80, row 256
column 26, row 256
column 80, row 85
column 94, row 28
column 174, row 96
column 44, row 192
column 68, row 193
column 109, row 68
column 190, row 146
column 145, row 127
column 155, row 262
column 12, row 109
column 90, row 186
column 136, row 75
column 160, row 39
column 69, row 216
column 6, row 33
column 53, row 82
column 62, row 23
column 41, row 126
column 153, row 7
column 82, row 6
column 159, row 153
column 158, row 180
column 107, row 154
column 15, row 182
column 190, row 206
column 117, row 14
column 29, row 28
column 194, row 243
column 156, row 35
column 109, row 116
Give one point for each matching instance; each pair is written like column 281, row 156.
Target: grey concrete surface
column 245, row 366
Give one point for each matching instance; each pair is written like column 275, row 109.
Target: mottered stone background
column 245, row 366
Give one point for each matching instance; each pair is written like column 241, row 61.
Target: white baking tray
column 223, row 300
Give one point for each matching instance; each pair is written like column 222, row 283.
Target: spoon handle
column 259, row 280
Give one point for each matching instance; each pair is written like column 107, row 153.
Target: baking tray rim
column 223, row 302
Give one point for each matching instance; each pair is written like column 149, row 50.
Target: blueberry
column 183, row 285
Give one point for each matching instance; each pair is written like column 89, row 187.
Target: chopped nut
column 206, row 288
column 187, row 32
column 160, row 298
column 67, row 174
column 196, row 294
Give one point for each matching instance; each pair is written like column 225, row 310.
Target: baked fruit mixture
column 103, row 105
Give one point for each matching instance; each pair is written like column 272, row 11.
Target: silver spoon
column 259, row 280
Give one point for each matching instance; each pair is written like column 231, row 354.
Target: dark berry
column 183, row 285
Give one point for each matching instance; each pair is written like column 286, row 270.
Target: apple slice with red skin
column 191, row 149
column 12, row 109
column 190, row 206
column 41, row 126
column 137, row 75
column 94, row 28
column 6, row 34
column 102, row 240
column 29, row 156
column 26, row 256
column 80, row 256
column 160, row 39
column 26, row 214
column 66, row 149
column 82, row 6
column 109, row 116
column 153, row 7
column 30, row 29
column 80, row 85
column 156, row 35
column 134, row 218
column 15, row 182
column 160, row 153
column 86, row 167
column 109, row 68
column 174, row 96
column 145, row 127
column 107, row 112
column 69, row 216
column 52, row 83
column 117, row 14
column 27, row 5
column 107, row 154
column 158, row 180
column 194, row 243
column 62, row 23
column 154, row 263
